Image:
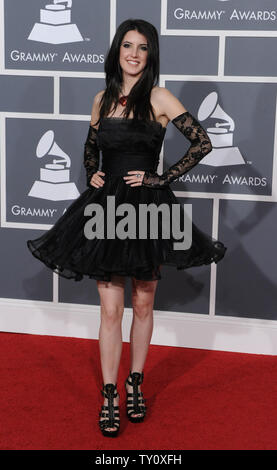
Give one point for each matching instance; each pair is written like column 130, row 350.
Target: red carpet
column 197, row 399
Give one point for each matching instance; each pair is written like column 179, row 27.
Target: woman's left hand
column 133, row 179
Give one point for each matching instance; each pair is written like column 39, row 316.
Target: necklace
column 123, row 100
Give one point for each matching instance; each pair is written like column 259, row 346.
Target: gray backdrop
column 216, row 55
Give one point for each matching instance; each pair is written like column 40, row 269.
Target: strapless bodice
column 129, row 144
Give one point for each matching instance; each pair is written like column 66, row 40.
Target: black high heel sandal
column 109, row 412
column 135, row 399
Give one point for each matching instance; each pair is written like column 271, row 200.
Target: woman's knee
column 143, row 294
column 112, row 313
column 143, row 310
column 112, row 299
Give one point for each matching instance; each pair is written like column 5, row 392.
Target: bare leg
column 143, row 294
column 110, row 333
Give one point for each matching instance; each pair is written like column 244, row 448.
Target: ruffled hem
column 143, row 273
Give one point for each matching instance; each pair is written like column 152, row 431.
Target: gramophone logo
column 55, row 25
column 54, row 183
column 221, row 135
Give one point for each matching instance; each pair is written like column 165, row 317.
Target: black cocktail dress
column 70, row 249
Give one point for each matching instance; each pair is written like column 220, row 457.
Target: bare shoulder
column 99, row 95
column 167, row 103
column 96, row 108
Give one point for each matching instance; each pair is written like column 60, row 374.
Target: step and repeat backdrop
column 218, row 58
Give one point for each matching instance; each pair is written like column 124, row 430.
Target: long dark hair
column 139, row 96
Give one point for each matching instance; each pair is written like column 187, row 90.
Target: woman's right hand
column 96, row 179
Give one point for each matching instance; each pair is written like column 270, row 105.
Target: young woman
column 128, row 123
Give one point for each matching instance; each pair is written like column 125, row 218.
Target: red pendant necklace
column 123, row 100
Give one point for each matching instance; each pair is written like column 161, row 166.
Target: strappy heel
column 135, row 401
column 110, row 412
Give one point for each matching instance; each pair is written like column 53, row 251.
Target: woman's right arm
column 91, row 148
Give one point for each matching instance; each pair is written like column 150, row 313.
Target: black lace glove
column 200, row 146
column 91, row 154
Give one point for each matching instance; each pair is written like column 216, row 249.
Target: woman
column 128, row 123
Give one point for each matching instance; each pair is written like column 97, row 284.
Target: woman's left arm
column 192, row 130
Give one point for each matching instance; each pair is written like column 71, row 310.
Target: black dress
column 70, row 250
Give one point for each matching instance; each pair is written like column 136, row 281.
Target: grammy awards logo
column 221, row 135
column 55, row 25
column 54, row 183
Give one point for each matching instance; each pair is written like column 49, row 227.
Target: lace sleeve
column 91, row 154
column 200, row 146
